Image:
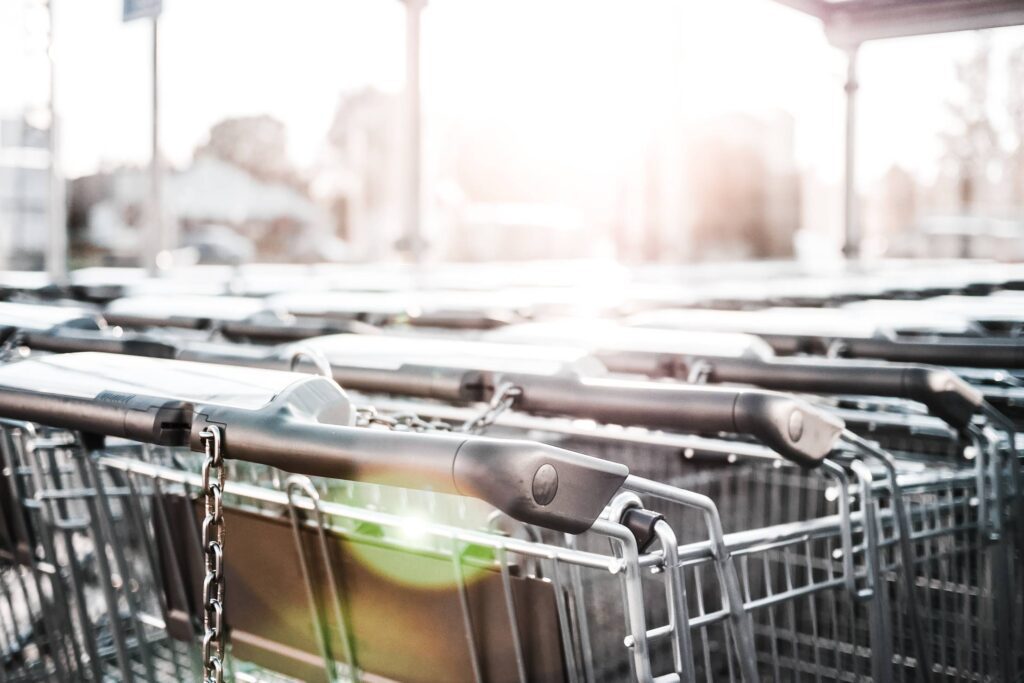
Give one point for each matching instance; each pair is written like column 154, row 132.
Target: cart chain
column 213, row 554
column 13, row 347
column 405, row 422
column 503, row 398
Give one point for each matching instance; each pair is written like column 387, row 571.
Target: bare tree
column 972, row 144
column 1015, row 102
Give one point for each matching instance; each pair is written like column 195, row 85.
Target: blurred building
column 24, row 134
column 220, row 212
column 889, row 214
column 358, row 175
column 744, row 187
column 24, row 193
column 489, row 203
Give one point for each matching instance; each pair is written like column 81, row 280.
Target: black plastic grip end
column 536, row 483
column 946, row 395
column 641, row 524
column 792, row 428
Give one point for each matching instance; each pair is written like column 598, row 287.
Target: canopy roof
column 851, row 22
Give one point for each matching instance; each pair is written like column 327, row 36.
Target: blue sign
column 142, row 9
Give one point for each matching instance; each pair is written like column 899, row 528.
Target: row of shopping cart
column 514, row 483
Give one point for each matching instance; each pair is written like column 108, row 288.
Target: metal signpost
column 412, row 240
column 56, row 257
column 154, row 237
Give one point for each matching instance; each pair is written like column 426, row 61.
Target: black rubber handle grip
column 766, row 416
column 132, row 320
column 976, row 353
column 67, row 340
column 532, row 482
column 947, row 396
column 293, row 330
column 132, row 416
column 461, row 321
column 791, row 427
column 445, row 384
column 64, row 340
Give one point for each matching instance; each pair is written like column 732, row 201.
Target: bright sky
column 567, row 69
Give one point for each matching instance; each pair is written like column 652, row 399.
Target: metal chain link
column 213, row 554
column 502, row 400
column 504, row 396
column 700, row 371
column 12, row 348
column 406, row 422
column 836, row 349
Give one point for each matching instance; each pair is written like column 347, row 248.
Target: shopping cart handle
column 421, row 381
column 303, row 430
column 151, row 419
column 459, row 320
column 947, row 396
column 70, row 340
column 973, row 353
column 65, row 340
column 792, row 427
column 292, row 330
column 532, row 482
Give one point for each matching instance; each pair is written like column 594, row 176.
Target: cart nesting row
column 201, row 489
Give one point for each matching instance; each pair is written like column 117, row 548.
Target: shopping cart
column 711, row 630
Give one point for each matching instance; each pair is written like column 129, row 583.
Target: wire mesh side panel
column 797, row 590
column 963, row 579
column 965, row 586
column 79, row 585
column 808, row 624
column 32, row 645
column 333, row 589
column 799, row 577
column 85, row 583
column 749, row 494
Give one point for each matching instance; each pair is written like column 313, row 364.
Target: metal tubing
column 742, row 623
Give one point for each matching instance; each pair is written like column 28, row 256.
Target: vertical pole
column 677, row 229
column 851, row 225
column 155, row 239
column 56, row 257
column 412, row 241
column 633, row 245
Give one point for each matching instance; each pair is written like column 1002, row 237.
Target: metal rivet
column 796, row 425
column 545, row 484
